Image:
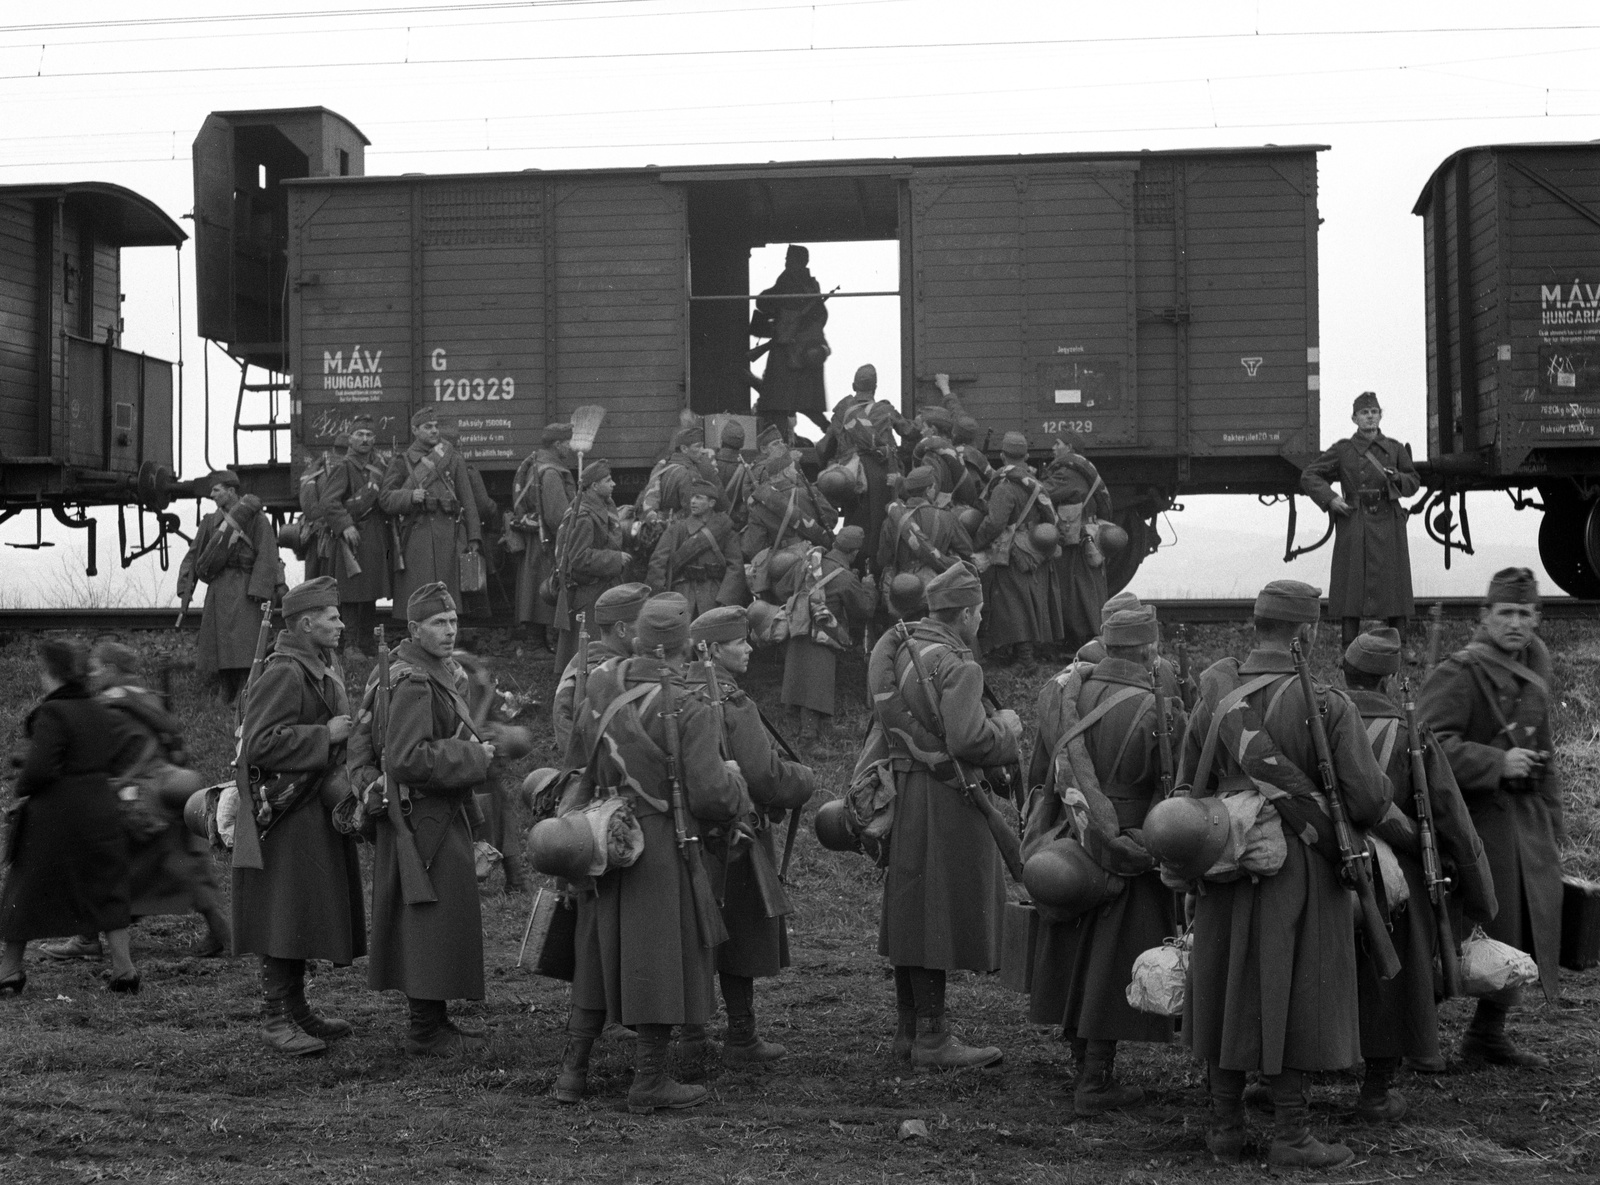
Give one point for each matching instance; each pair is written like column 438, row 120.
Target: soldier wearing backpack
column 698, row 554
column 920, row 537
column 1020, row 537
column 835, row 599
column 429, row 494
column 541, row 495
column 352, row 533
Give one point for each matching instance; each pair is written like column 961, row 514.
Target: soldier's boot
column 1293, row 1145
column 935, row 1047
column 692, row 1050
column 219, row 935
column 1485, row 1040
column 1378, row 1101
column 1098, row 1091
column 821, row 725
column 433, row 1034
column 1258, row 1096
column 743, row 1047
column 1225, row 1137
column 583, row 1029
column 905, row 1029
column 312, row 1022
column 653, row 1089
column 280, row 980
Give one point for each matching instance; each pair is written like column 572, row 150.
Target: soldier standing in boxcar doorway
column 1371, row 559
column 1489, row 705
column 235, row 553
column 352, row 527
column 792, row 382
column 429, row 494
column 541, row 493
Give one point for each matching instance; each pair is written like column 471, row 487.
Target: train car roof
column 266, row 115
column 861, row 165
column 127, row 219
column 1426, row 196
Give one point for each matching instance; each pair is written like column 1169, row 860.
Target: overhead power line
column 233, row 18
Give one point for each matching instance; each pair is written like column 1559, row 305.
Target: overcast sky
column 95, row 92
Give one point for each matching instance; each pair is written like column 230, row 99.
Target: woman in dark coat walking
column 68, row 852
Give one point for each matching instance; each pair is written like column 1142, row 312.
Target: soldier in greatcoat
column 784, row 507
column 542, row 491
column 610, row 638
column 1092, row 651
column 432, row 952
column 1371, row 558
column 589, row 555
column 1399, row 1018
column 639, row 958
column 699, row 554
column 1079, row 495
column 864, row 426
column 1083, row 966
column 1489, row 705
column 758, row 945
column 350, row 526
column 428, row 493
column 734, row 473
column 793, row 379
column 1272, row 977
column 945, row 887
column 1024, row 603
column 305, row 900
column 810, row 658
column 235, row 554
column 918, row 536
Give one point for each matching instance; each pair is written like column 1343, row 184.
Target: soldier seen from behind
column 589, row 556
column 1082, row 504
column 542, row 492
column 1020, row 538
column 610, row 638
column 825, row 599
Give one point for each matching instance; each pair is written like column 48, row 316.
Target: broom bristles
column 586, row 421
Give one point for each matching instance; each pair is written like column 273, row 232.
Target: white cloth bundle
column 1489, row 966
column 1160, row 978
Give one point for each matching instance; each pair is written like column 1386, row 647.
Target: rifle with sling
column 1428, row 838
column 415, row 887
column 1355, row 867
column 580, row 681
column 1011, row 771
column 1164, row 745
column 1005, row 836
column 794, row 814
column 253, row 808
column 707, row 914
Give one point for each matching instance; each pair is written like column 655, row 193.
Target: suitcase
column 1019, row 933
column 1580, row 923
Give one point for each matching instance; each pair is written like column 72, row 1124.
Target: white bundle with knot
column 1160, row 978
column 1489, row 966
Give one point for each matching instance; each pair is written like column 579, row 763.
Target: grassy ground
column 175, row 1085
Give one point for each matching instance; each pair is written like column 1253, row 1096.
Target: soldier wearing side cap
column 945, row 887
column 1092, row 651
column 589, row 556
column 757, row 946
column 966, row 435
column 639, row 958
column 784, row 502
column 428, row 492
column 610, row 640
column 304, row 902
column 351, row 525
column 931, row 419
column 541, row 493
column 864, row 426
column 1024, row 602
column 431, row 952
column 1371, row 559
column 957, row 487
column 1080, row 496
column 688, row 460
column 1272, row 977
column 810, row 658
column 1489, row 705
column 699, row 554
column 919, row 536
column 734, row 473
column 1399, row 1019
column 1082, row 966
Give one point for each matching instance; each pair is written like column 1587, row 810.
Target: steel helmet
column 831, row 830
column 1064, row 876
column 1112, row 537
column 779, row 563
column 836, row 484
column 1188, row 835
column 197, row 815
column 907, row 597
column 562, row 847
column 762, row 617
column 970, row 518
column 176, row 786
column 1045, row 536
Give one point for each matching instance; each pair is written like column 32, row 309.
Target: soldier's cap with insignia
column 359, row 422
column 596, row 471
column 937, row 415
column 429, row 600
column 701, row 486
column 117, row 656
column 222, row 477
column 955, row 588
column 1123, row 600
column 1376, row 652
column 1289, row 600
column 1365, row 400
column 620, row 603
column 769, row 435
column 725, row 623
column 555, row 433
column 919, row 479
column 1131, row 627
column 965, row 430
column 664, row 622
column 1513, row 586
column 1014, row 445
column 849, row 538
column 866, row 378
column 316, row 593
column 426, row 414
column 733, row 434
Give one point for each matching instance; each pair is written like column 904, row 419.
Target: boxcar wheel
column 1569, row 546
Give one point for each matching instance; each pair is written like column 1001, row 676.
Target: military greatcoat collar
column 931, row 629
column 1373, row 704
column 295, row 645
column 1268, row 662
column 1120, row 670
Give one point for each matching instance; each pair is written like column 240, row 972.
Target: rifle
column 580, row 684
column 1164, row 744
column 183, row 611
column 1435, row 633
column 415, row 887
column 707, row 914
column 794, row 815
column 1005, row 836
column 1355, row 868
column 253, row 809
column 1181, row 644
column 1428, row 836
column 1011, row 772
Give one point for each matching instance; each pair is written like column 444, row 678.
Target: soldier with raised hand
column 351, row 526
column 428, row 492
column 1272, row 977
column 698, row 554
column 945, row 887
column 541, row 493
column 589, row 555
column 639, row 957
column 432, row 952
column 304, row 902
column 758, row 945
column 610, row 640
column 1489, row 705
column 1024, row 603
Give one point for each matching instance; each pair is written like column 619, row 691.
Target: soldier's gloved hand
column 352, row 536
column 417, row 496
column 339, row 729
column 1010, row 721
column 1340, row 506
column 1519, row 763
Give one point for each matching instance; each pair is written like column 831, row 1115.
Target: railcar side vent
column 474, row 214
column 1152, row 194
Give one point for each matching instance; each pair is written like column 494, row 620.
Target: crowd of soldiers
column 675, row 781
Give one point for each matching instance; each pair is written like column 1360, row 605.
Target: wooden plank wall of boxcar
column 19, row 331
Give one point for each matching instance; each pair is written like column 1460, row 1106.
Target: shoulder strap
column 1101, row 709
column 1383, row 732
column 1208, row 753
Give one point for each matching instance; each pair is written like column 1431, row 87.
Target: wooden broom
column 586, row 421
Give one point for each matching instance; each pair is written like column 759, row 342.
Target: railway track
column 1190, row 611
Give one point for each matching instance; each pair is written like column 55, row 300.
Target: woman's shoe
column 124, row 983
column 14, row 983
